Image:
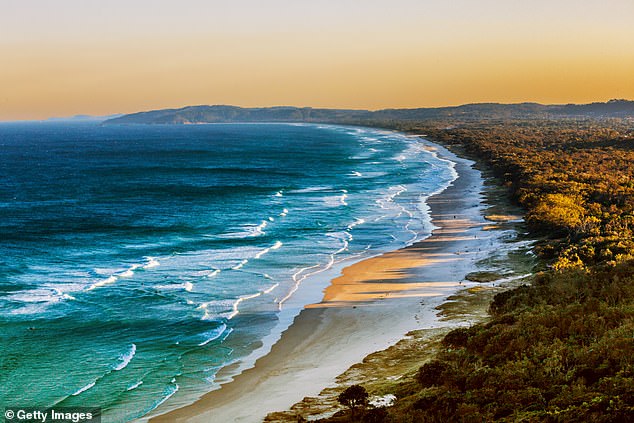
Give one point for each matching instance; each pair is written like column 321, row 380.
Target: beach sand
column 370, row 307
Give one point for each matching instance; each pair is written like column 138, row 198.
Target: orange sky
column 66, row 57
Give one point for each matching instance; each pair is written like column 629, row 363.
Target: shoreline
column 371, row 306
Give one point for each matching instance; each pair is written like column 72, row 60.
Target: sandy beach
column 369, row 307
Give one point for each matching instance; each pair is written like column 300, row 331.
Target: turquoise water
column 137, row 261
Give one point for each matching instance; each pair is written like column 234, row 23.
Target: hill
column 221, row 113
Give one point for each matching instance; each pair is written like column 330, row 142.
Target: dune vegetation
column 561, row 348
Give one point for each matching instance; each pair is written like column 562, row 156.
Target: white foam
column 36, row 296
column 134, row 386
column 214, row 273
column 269, row 290
column 298, row 277
column 125, row 358
column 105, row 271
column 130, row 272
column 344, row 197
column 250, row 230
column 205, row 308
column 187, row 286
column 169, row 392
column 344, row 237
column 30, row 309
column 284, row 213
column 388, row 201
column 85, row 388
column 110, row 280
column 312, row 189
column 227, row 308
column 235, row 311
column 37, row 300
column 336, row 201
column 279, row 194
column 259, row 230
column 275, row 246
column 357, row 222
column 216, row 308
column 213, row 334
column 355, row 173
column 61, row 295
column 151, row 262
column 241, row 265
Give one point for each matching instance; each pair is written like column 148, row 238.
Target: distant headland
column 223, row 113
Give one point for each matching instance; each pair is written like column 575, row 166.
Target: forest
column 560, row 348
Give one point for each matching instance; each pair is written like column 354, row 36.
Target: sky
column 67, row 57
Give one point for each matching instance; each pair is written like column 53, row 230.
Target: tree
column 353, row 397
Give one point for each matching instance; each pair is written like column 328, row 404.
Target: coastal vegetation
column 354, row 397
column 560, row 349
column 574, row 178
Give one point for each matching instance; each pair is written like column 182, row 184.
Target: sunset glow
column 89, row 57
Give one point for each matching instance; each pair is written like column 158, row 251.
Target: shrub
column 430, row 374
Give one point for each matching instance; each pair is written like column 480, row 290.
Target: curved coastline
column 370, row 306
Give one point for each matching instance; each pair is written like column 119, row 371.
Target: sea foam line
column 393, row 193
column 269, row 290
column 240, row 265
column 134, row 386
column 128, row 273
column 275, row 246
column 235, row 305
column 214, row 334
column 343, row 198
column 357, row 222
column 110, row 280
column 151, row 262
column 63, row 295
column 214, row 273
column 125, row 358
column 259, row 230
column 299, row 276
column 235, row 311
column 168, row 392
column 85, row 388
column 297, row 279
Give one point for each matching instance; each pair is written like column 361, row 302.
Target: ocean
column 138, row 261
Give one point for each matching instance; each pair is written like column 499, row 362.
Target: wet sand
column 371, row 306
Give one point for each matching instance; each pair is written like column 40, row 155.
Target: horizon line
column 119, row 114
